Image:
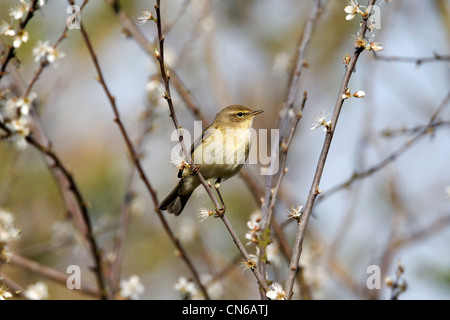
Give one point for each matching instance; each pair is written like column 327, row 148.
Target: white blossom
column 146, row 17
column 320, row 121
column 254, row 226
column 375, row 47
column 44, row 52
column 4, row 293
column 19, row 38
column 276, row 293
column 359, row 94
column 37, row 291
column 19, row 10
column 6, row 29
column 178, row 161
column 19, row 106
column 352, row 9
column 131, row 288
column 185, row 287
column 8, row 231
column 295, row 212
column 204, row 213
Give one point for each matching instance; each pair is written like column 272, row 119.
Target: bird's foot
column 219, row 212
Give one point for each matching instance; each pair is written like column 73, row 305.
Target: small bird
column 219, row 153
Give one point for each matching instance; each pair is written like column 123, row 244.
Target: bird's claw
column 219, row 212
column 195, row 169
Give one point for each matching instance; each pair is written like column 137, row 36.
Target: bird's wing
column 205, row 134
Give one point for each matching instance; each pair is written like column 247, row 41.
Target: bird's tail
column 175, row 202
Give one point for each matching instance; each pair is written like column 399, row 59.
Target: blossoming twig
column 11, row 52
column 322, row 159
column 424, row 130
column 286, row 122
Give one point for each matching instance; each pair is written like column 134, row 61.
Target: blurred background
column 236, row 52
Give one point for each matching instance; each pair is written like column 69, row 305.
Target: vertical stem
column 314, row 191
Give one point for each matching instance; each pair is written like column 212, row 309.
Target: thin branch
column 125, row 211
column 274, row 193
column 418, row 61
column 393, row 156
column 49, row 273
column 314, row 191
column 83, row 205
column 388, row 133
column 271, row 192
column 44, row 64
column 289, row 104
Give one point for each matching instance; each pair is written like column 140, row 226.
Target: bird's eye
column 240, row 114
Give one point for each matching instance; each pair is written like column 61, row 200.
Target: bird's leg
column 219, row 211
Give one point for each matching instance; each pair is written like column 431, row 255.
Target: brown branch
column 314, row 190
column 82, row 204
column 418, row 61
column 392, row 157
column 49, row 273
column 285, row 134
column 126, row 210
column 388, row 133
column 44, row 64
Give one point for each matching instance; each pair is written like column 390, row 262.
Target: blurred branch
column 270, row 197
column 284, row 145
column 289, row 104
column 314, row 191
column 55, row 162
column 11, row 284
column 82, row 204
column 360, row 175
column 135, row 158
column 166, row 76
column 49, row 273
column 126, row 209
column 398, row 286
column 418, row 61
column 45, row 63
column 388, row 133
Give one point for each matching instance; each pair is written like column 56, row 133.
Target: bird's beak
column 254, row 113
